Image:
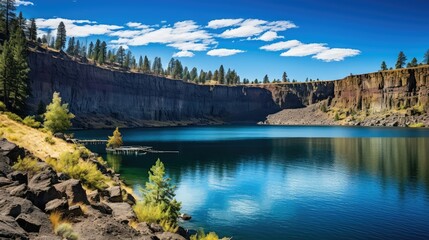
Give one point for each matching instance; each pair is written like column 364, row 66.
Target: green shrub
column 31, row 122
column 71, row 164
column 2, row 107
column 49, row 140
column 336, row 117
column 57, row 115
column 26, row 165
column 416, row 125
column 201, row 235
column 13, row 116
column 323, row 108
column 65, row 230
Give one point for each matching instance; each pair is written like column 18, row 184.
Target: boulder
column 60, row 205
column 43, row 180
column 99, row 165
column 115, row 194
column 9, row 229
column 60, row 136
column 14, row 206
column 144, row 228
column 185, row 216
column 28, row 223
column 5, row 181
column 18, row 176
column 130, row 199
column 94, row 196
column 4, row 166
column 74, row 191
column 169, row 236
column 41, row 189
column 102, row 207
column 75, row 211
column 156, row 227
column 63, row 177
column 18, row 191
column 11, row 151
column 122, row 212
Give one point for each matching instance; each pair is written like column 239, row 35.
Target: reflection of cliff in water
column 404, row 160
column 114, row 161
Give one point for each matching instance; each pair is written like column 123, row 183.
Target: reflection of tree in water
column 114, row 161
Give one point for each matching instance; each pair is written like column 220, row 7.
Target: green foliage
column 201, row 235
column 416, row 125
column 383, row 66
column 2, row 107
column 50, row 140
column 26, row 165
column 13, row 116
column 401, row 60
column 115, row 141
column 65, row 230
column 323, row 108
column 336, row 117
column 71, row 164
column 413, row 63
column 158, row 203
column 57, row 116
column 33, row 30
column 266, row 79
column 31, row 122
column 60, row 42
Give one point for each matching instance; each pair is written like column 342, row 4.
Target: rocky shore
column 28, row 198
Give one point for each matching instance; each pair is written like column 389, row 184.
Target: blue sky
column 323, row 39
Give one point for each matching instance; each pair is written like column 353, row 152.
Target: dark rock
column 115, row 194
column 130, row 199
column 156, row 227
column 74, row 191
column 18, row 191
column 43, row 180
column 4, row 166
column 5, row 181
column 9, row 229
column 18, row 176
column 122, row 212
column 183, row 232
column 75, row 211
column 63, row 177
column 59, row 205
column 169, row 236
column 11, row 151
column 94, row 196
column 28, row 223
column 99, row 166
column 13, row 206
column 144, row 228
column 60, row 136
column 185, row 216
column 102, row 207
column 40, row 197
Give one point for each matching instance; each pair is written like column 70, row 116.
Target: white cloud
column 305, row 50
column 183, row 54
column 336, row 54
column 223, row 52
column 76, row 28
column 137, row 25
column 221, row 23
column 281, row 45
column 23, row 3
column 269, row 36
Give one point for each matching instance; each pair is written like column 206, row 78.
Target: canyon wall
column 103, row 96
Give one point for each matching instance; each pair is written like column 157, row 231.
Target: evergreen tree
column 401, row 60
column 61, row 36
column 21, row 22
column 57, row 115
column 160, row 192
column 97, row 48
column 112, row 58
column 52, row 44
column 7, row 73
column 284, row 77
column 228, row 77
column 186, row 74
column 115, row 141
column 256, row 81
column 202, row 77
column 170, row 67
column 221, row 75
column 209, row 76
column 102, row 53
column 127, row 60
column 216, row 75
column 383, row 66
column 91, row 50
column 266, row 79
column 193, row 75
column 120, row 56
column 146, row 65
column 70, row 47
column 77, row 49
column 44, row 39
column 141, row 64
column 33, row 30
column 413, row 63
column 426, row 57
column 178, row 69
column 7, row 9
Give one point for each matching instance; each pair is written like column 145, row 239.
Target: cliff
column 103, row 96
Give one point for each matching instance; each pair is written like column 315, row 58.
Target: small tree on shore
column 115, row 140
column 401, row 60
column 57, row 116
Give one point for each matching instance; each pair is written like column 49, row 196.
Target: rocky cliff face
column 101, row 94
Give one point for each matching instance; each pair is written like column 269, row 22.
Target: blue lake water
column 289, row 182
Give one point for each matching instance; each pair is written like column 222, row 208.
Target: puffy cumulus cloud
column 281, row 45
column 303, row 50
column 223, row 52
column 183, row 54
column 137, row 25
column 336, row 54
column 221, row 23
column 23, row 3
column 76, row 28
column 255, row 27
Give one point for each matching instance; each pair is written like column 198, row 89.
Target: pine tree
column 170, row 67
column 413, row 63
column 216, row 75
column 221, row 75
column 193, row 75
column 91, row 50
column 146, row 65
column 52, row 44
column 426, row 57
column 202, row 77
column 228, row 77
column 284, row 77
column 77, row 49
column 102, row 53
column 266, row 79
column 61, row 36
column 141, row 64
column 185, row 74
column 115, row 141
column 97, row 48
column 209, row 76
column 70, row 47
column 401, row 60
column 32, row 30
column 160, row 192
column 44, row 39
column 383, row 66
column 57, row 115
column 7, row 8
column 7, row 73
column 120, row 56
column 127, row 60
column 178, row 69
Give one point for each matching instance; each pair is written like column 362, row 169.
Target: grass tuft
column 26, row 165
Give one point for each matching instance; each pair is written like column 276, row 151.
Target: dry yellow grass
column 32, row 139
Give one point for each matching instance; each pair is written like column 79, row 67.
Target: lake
column 289, row 182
